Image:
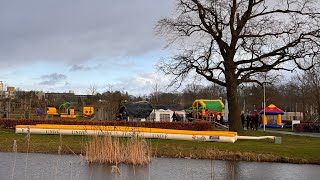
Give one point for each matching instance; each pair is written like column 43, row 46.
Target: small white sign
column 295, row 122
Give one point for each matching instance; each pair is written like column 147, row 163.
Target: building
column 11, row 92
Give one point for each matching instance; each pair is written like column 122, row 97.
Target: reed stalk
column 14, row 149
column 27, row 153
column 106, row 149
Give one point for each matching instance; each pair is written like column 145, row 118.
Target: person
column 242, row 119
column 248, row 119
column 178, row 118
column 189, row 116
column 219, row 118
column 254, row 120
column 124, row 116
column 260, row 121
column 199, row 115
column 252, row 116
column 119, row 117
column 174, row 116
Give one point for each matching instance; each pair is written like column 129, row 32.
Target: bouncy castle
column 269, row 113
column 204, row 106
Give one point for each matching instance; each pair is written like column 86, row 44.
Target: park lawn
column 293, row 149
column 41, row 143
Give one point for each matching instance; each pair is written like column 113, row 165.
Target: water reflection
column 43, row 166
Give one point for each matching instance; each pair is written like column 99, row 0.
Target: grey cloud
column 142, row 83
column 79, row 67
column 115, row 63
column 52, row 79
column 65, row 31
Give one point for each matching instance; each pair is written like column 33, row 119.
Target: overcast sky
column 57, row 46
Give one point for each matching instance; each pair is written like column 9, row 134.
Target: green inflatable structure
column 204, row 106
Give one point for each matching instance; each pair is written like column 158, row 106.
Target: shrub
column 197, row 126
column 307, row 127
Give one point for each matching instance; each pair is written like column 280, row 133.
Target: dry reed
column 15, row 157
column 106, row 149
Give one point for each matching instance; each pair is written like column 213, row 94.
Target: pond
column 46, row 166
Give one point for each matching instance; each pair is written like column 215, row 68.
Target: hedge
column 307, row 127
column 197, row 126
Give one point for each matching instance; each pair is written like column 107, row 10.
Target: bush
column 197, row 126
column 307, row 127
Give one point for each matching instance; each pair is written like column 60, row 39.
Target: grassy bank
column 294, row 149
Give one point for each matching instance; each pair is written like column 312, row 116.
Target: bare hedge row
column 307, row 127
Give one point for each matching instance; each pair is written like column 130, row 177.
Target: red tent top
column 272, row 110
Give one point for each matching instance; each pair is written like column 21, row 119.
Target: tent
column 140, row 109
column 272, row 110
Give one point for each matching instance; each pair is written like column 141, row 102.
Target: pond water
column 45, row 166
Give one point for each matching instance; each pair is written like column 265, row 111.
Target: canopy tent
column 140, row 109
column 215, row 106
column 272, row 110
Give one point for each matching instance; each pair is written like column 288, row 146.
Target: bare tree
column 92, row 90
column 156, row 92
column 310, row 83
column 229, row 42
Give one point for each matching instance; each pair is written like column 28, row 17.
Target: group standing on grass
column 252, row 120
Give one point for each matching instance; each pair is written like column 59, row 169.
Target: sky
column 62, row 46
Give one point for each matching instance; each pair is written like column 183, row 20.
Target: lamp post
column 264, row 102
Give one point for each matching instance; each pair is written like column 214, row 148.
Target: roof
column 272, row 110
column 172, row 107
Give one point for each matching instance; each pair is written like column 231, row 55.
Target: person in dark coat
column 242, row 119
column 174, row 117
column 248, row 119
column 254, row 120
column 221, row 119
column 178, row 118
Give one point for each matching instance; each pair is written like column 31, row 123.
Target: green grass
column 41, row 143
column 294, row 149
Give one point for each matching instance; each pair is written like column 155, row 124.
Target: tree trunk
column 233, row 105
column 318, row 109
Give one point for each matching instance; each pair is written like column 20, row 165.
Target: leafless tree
column 92, row 90
column 310, row 87
column 156, row 91
column 230, row 42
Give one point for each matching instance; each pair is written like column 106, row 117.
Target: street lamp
column 264, row 102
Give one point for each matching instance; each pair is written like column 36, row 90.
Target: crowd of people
column 252, row 120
